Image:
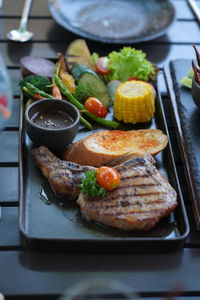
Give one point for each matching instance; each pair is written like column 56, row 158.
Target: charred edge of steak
column 63, row 176
column 132, row 159
column 137, row 161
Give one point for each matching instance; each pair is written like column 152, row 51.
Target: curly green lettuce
column 90, row 187
column 129, row 62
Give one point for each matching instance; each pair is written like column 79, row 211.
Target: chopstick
column 195, row 8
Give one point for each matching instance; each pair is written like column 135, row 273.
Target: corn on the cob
column 134, row 102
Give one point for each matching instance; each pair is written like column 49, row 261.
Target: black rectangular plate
column 187, row 121
column 50, row 223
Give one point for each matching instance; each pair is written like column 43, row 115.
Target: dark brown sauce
column 52, row 119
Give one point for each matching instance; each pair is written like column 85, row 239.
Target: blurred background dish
column 114, row 21
column 6, row 98
column 98, row 288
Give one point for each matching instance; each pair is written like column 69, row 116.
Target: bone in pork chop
column 63, row 176
column 142, row 199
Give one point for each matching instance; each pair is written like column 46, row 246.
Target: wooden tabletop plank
column 9, row 147
column 9, row 233
column 57, row 297
column 54, row 273
column 43, row 29
column 183, row 11
column 15, row 77
column 14, row 8
column 14, row 119
column 177, row 33
column 9, row 184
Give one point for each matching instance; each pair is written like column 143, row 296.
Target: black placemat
column 188, row 123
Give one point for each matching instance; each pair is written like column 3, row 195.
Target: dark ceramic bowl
column 196, row 93
column 58, row 137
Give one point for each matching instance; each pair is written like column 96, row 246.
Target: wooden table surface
column 26, row 274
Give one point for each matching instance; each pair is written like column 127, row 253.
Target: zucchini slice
column 96, row 86
column 78, row 70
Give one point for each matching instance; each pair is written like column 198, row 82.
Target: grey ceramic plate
column 114, row 21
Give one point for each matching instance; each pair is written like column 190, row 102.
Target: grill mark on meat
column 134, row 176
column 145, row 186
column 60, row 175
column 145, row 194
column 124, row 168
column 127, row 159
column 138, row 161
column 125, row 204
column 135, row 213
column 116, row 197
column 140, row 172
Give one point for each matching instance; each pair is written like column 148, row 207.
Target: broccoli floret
column 39, row 81
column 82, row 92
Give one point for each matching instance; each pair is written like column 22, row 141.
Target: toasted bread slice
column 104, row 146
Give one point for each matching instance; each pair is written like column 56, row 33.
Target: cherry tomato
column 96, row 107
column 108, row 178
column 102, row 65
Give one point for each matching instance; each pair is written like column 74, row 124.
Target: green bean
column 35, row 90
column 26, row 90
column 56, row 71
column 28, row 103
column 81, row 107
column 85, row 123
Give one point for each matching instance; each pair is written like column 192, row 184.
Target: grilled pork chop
column 63, row 176
column 143, row 197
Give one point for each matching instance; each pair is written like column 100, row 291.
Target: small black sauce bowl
column 55, row 139
column 196, row 93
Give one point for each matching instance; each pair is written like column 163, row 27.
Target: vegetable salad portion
column 88, row 81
